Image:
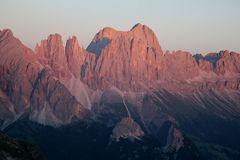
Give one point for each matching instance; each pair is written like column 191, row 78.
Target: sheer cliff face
column 126, row 58
column 75, row 56
column 50, row 53
column 67, row 62
column 134, row 60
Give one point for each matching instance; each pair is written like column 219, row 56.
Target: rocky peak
column 55, row 38
column 51, row 47
column 75, row 56
column 133, row 56
column 50, row 53
column 5, row 33
column 127, row 128
column 12, row 51
column 144, row 32
column 9, row 42
column 140, row 28
column 138, row 33
column 18, row 69
column 72, row 41
column 228, row 63
column 137, row 26
column 223, row 62
column 107, row 32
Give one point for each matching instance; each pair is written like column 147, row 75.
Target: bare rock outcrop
column 28, row 86
column 126, row 58
column 50, row 53
column 127, row 128
column 75, row 56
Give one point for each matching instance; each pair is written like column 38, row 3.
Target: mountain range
column 123, row 97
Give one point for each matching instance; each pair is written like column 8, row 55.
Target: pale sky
column 198, row 26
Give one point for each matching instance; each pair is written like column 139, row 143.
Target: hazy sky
column 194, row 25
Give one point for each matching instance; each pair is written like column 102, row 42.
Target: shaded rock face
column 96, row 46
column 52, row 103
column 134, row 116
column 7, row 110
column 110, row 109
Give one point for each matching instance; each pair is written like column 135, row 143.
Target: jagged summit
column 5, row 33
column 75, row 55
column 51, row 52
column 132, row 55
column 140, row 28
column 107, row 32
column 138, row 25
column 55, row 35
column 73, row 38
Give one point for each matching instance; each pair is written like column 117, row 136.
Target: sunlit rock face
column 75, row 55
column 18, row 69
column 179, row 65
column 50, row 53
column 223, row 63
column 126, row 58
column 228, row 64
column 134, row 60
column 65, row 64
column 29, row 83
